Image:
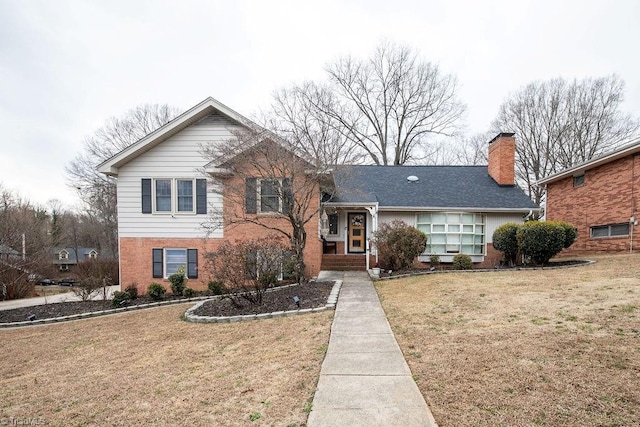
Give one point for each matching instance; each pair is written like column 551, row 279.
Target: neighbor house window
column 610, row 230
column 63, row 254
column 453, row 232
column 333, row 224
column 578, row 180
column 92, row 254
column 64, row 267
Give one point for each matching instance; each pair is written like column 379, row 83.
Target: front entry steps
column 344, row 262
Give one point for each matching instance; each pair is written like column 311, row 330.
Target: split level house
column 599, row 197
column 168, row 190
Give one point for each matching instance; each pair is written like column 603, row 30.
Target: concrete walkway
column 67, row 296
column 364, row 380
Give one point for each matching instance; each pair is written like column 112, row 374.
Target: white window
column 174, row 195
column 63, row 254
column 270, row 199
column 173, row 260
column 453, row 232
column 93, row 254
column 162, row 198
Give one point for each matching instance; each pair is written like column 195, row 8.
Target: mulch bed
column 312, row 294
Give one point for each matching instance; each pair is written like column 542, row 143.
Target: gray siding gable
column 437, row 187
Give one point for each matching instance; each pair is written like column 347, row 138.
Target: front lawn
column 543, row 347
column 151, row 368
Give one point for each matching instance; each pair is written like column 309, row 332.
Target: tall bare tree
column 294, row 116
column 388, row 106
column 560, row 123
column 269, row 184
column 98, row 191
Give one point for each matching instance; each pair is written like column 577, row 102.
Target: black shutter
column 146, row 195
column 201, row 196
column 287, row 196
column 157, row 263
column 192, row 263
column 251, row 195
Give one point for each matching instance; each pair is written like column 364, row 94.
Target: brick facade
column 608, row 196
column 136, row 261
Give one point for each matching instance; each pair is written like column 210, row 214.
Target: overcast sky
column 66, row 66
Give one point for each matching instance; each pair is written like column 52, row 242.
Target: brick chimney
column 502, row 157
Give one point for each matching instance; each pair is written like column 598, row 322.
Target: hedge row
column 537, row 241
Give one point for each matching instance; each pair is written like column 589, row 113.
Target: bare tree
column 560, row 124
column 98, row 191
column 387, row 106
column 263, row 174
column 294, row 117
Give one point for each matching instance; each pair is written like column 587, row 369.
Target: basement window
column 610, row 230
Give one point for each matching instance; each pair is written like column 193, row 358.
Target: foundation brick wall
column 608, row 196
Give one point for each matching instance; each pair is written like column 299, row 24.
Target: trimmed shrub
column 188, row 292
column 462, row 262
column 505, row 240
column 118, row 298
column 156, row 291
column 178, row 281
column 434, row 260
column 570, row 233
column 215, row 287
column 398, row 244
column 132, row 290
column 540, row 241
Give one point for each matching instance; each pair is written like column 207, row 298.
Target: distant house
column 599, row 197
column 7, row 253
column 66, row 258
column 165, row 189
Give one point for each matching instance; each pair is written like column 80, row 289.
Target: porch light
column 296, row 299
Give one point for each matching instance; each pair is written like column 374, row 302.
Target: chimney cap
column 502, row 134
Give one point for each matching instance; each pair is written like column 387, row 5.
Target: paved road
column 68, row 296
column 364, row 380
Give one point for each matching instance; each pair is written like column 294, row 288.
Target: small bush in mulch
column 312, row 295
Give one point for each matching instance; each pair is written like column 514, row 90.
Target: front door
column 357, row 232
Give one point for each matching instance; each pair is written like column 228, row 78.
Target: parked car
column 46, row 282
column 67, row 281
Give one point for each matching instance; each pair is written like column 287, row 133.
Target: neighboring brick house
column 599, row 198
column 167, row 191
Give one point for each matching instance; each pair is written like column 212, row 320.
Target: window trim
column 608, row 227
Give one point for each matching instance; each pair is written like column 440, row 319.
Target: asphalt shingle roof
column 437, row 187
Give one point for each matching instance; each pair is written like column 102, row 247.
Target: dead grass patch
column 152, row 368
column 542, row 347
